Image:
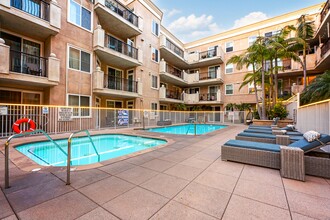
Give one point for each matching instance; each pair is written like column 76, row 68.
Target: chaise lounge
column 294, row 160
column 268, row 138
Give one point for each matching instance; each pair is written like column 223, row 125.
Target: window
column 154, row 82
column 193, row 90
column 229, row 47
column 154, row 54
column 229, row 89
column 79, row 60
column 272, row 33
column 80, row 101
column 155, row 28
column 229, row 68
column 251, row 40
column 80, row 15
column 153, row 106
column 250, row 67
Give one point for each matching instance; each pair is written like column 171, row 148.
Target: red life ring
column 24, row 120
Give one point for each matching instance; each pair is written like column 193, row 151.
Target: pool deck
column 184, row 180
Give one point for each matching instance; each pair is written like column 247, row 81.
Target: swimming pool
column 188, row 129
column 83, row 152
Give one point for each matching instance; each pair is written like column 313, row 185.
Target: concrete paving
column 184, row 180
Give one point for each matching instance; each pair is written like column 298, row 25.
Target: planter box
column 280, row 123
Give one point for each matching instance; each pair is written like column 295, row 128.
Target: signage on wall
column 65, row 114
column 3, row 110
column 45, row 110
column 123, row 117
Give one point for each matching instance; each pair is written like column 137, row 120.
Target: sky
column 190, row 20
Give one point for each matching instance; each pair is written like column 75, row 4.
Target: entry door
column 114, row 80
column 213, row 93
column 97, row 105
column 130, row 81
column 112, row 113
column 130, row 105
column 213, row 72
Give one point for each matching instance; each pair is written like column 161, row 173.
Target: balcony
column 323, row 56
column 203, row 98
column 120, row 20
column 172, row 53
column 170, row 96
column 34, row 18
column 211, row 77
column 171, row 74
column 115, row 86
column 206, row 58
column 114, row 51
column 21, row 68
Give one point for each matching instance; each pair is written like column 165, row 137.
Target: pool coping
column 25, row 163
column 173, row 125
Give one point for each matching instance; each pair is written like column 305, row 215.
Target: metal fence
column 64, row 119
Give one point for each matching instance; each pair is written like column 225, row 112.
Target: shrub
column 278, row 111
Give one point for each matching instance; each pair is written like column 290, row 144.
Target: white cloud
column 253, row 17
column 173, row 12
column 192, row 27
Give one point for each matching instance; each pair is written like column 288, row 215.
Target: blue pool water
column 82, row 151
column 188, row 129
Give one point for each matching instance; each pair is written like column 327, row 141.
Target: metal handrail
column 69, row 152
column 22, row 135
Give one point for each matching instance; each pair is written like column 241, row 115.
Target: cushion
column 283, row 131
column 311, row 136
column 307, row 146
column 290, row 128
column 253, row 145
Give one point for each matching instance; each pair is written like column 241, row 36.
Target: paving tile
column 158, row 165
column 156, row 154
column 174, row 157
column 262, row 175
column 167, row 149
column 118, row 167
column 165, row 185
column 68, row 206
column 82, row 178
column 217, row 180
column 184, row 172
column 196, row 162
column 137, row 175
column 243, row 208
column 308, row 205
column 106, row 189
column 308, row 187
column 206, row 199
column 315, row 179
column 5, row 207
column 227, row 168
column 296, row 216
column 31, row 196
column 141, row 159
column 12, row 217
column 210, row 155
column 174, row 210
column 137, row 204
column 98, row 214
column 268, row 194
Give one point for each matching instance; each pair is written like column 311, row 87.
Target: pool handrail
column 22, row 135
column 68, row 182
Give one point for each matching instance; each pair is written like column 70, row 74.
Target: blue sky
column 193, row 19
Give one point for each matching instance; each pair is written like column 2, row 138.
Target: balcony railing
column 122, row 11
column 120, row 47
column 325, row 48
column 208, row 97
column 170, row 94
column 325, row 11
column 28, row 64
column 287, row 64
column 208, row 54
column 37, row 8
column 208, row 75
column 174, row 71
column 121, row 84
column 174, row 48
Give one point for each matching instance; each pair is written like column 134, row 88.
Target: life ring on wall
column 31, row 123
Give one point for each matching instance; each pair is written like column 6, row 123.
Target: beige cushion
column 311, row 136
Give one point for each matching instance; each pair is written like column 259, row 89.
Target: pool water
column 82, row 151
column 188, row 129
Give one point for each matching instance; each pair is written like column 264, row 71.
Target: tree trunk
column 276, row 82
column 256, row 92
column 271, row 85
column 263, row 106
column 304, row 67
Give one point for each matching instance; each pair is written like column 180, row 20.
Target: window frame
column 81, row 17
column 155, row 24
column 230, row 42
column 250, row 43
column 152, row 104
column 232, row 88
column 79, row 106
column 229, row 68
column 152, row 82
column 152, row 52
column 80, row 51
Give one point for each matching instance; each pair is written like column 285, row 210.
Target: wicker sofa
column 293, row 160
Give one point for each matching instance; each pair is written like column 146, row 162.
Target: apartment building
column 109, row 53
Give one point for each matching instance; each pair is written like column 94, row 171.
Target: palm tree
column 318, row 90
column 304, row 32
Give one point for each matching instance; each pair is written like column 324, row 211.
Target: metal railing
column 208, row 75
column 22, row 135
column 171, row 94
column 325, row 10
column 122, row 84
column 208, row 54
column 122, row 11
column 68, row 166
column 174, row 48
column 208, row 97
column 174, row 71
column 325, row 48
column 28, row 64
column 121, row 47
column 37, row 8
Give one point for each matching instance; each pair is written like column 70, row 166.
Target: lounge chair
column 293, row 160
column 274, row 124
column 273, row 132
column 268, row 138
